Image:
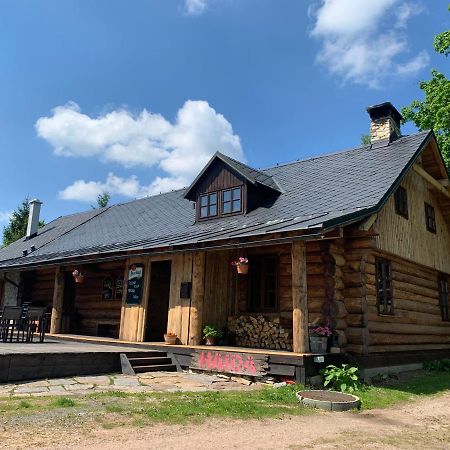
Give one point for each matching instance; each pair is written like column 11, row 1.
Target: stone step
column 150, row 361
column 149, row 354
column 155, row 368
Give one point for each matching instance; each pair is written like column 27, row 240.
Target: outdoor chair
column 36, row 321
column 12, row 319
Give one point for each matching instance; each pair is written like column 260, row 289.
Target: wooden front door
column 158, row 302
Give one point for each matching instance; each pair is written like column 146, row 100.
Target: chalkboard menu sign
column 119, row 288
column 107, row 288
column 134, row 286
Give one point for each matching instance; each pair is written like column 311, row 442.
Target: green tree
column 434, row 111
column 103, row 200
column 365, row 139
column 17, row 226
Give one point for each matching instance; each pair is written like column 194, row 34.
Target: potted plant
column 170, row 338
column 211, row 333
column 79, row 277
column 241, row 265
column 318, row 339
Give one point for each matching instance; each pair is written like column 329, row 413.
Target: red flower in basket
column 241, row 265
column 79, row 277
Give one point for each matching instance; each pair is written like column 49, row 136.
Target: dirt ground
column 421, row 425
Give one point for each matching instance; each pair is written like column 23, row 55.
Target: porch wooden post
column 299, row 298
column 58, row 300
column 197, row 297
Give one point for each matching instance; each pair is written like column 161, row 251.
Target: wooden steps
column 152, row 361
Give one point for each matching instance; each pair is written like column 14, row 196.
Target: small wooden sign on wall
column 119, row 288
column 107, row 288
column 134, row 285
column 230, row 362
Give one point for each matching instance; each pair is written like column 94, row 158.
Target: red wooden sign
column 230, row 362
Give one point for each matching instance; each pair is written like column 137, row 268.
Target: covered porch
column 289, row 287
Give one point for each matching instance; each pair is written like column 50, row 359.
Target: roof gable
column 247, row 173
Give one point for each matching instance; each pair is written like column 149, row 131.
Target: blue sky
column 133, row 97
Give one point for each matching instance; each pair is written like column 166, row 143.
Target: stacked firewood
column 260, row 332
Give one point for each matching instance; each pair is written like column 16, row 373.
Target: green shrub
column 212, row 331
column 443, row 365
column 344, row 379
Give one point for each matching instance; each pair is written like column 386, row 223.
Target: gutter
column 73, row 259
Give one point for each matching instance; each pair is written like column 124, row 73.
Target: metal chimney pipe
column 33, row 218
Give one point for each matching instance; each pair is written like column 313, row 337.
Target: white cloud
column 195, row 7
column 364, row 41
column 406, row 11
column 5, row 216
column 180, row 149
column 88, row 191
column 415, row 64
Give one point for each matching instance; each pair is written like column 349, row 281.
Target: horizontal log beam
column 432, row 181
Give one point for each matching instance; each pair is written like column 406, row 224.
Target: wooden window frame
column 208, row 205
column 219, row 203
column 260, row 308
column 401, row 202
column 383, row 285
column 443, row 297
column 430, row 218
column 232, row 199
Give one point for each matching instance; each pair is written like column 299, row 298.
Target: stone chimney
column 384, row 123
column 33, row 218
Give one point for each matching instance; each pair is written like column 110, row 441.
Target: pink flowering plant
column 240, row 261
column 321, row 331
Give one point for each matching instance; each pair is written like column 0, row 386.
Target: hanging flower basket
column 79, row 277
column 241, row 265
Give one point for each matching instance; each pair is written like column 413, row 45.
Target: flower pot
column 170, row 339
column 242, row 269
column 210, row 340
column 79, row 279
column 318, row 344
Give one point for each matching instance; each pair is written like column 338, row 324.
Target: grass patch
column 63, row 402
column 265, row 403
column 409, row 387
column 24, row 404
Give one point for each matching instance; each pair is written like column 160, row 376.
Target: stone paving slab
column 146, row 382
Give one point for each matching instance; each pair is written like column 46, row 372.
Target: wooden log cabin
column 358, row 240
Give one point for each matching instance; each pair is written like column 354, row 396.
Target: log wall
column 416, row 323
column 90, row 310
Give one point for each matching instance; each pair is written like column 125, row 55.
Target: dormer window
column 208, row 205
column 232, row 200
column 226, row 187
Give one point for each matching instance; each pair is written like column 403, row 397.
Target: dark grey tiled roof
column 317, row 193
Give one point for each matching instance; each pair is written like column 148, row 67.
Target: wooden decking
column 167, row 347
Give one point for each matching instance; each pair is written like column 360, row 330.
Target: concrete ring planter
column 329, row 400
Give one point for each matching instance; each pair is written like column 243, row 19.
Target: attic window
column 430, row 218
column 208, row 205
column 401, row 202
column 232, row 200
